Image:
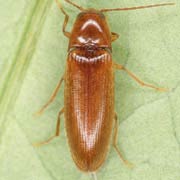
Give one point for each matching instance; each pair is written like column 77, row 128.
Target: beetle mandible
column 89, row 87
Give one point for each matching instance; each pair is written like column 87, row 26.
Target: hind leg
column 115, row 143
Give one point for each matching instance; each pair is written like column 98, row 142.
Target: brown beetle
column 89, row 88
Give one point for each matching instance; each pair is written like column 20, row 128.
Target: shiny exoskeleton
column 89, row 87
column 89, row 90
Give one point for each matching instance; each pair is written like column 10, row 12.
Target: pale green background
column 32, row 60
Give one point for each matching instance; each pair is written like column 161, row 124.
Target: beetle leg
column 115, row 142
column 67, row 34
column 57, row 133
column 120, row 67
column 114, row 36
column 51, row 99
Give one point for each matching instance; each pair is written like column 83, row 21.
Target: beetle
column 89, row 88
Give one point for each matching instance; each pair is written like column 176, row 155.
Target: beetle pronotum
column 89, row 88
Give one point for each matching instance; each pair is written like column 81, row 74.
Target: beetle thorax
column 90, row 29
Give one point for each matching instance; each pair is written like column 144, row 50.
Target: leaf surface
column 33, row 53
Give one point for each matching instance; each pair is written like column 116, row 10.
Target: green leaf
column 33, row 53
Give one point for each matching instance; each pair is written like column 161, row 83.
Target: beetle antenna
column 137, row 7
column 75, row 5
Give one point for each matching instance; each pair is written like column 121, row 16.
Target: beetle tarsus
column 127, row 163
